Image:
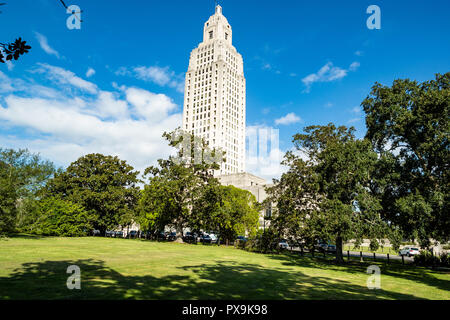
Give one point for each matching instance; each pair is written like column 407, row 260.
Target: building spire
column 218, row 7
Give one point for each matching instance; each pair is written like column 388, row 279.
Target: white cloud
column 122, row 71
column 43, row 42
column 354, row 120
column 356, row 110
column 268, row 169
column 354, row 66
column 6, row 84
column 263, row 155
column 9, row 65
column 66, row 77
column 288, row 119
column 327, row 73
column 90, row 72
column 150, row 105
column 160, row 76
column 359, row 53
column 108, row 105
column 302, row 154
column 63, row 127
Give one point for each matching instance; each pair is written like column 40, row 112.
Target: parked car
column 213, row 237
column 242, row 238
column 145, row 234
column 190, row 237
column 409, row 251
column 109, row 233
column 205, row 238
column 283, row 244
column 133, row 234
column 172, row 236
column 325, row 247
column 161, row 236
column 96, row 233
column 319, row 246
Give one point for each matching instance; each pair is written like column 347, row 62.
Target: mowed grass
column 35, row 268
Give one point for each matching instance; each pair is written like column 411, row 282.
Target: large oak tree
column 326, row 193
column 409, row 126
column 22, row 176
column 103, row 185
column 176, row 183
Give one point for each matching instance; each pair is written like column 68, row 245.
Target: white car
column 213, row 237
column 409, row 251
column 283, row 244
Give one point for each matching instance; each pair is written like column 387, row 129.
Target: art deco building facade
column 214, row 102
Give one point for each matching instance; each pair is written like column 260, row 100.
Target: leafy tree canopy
column 408, row 124
column 325, row 195
column 103, row 185
column 177, row 182
column 228, row 210
column 57, row 217
column 22, row 175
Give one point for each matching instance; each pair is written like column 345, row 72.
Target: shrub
column 445, row 259
column 263, row 242
column 426, row 259
column 56, row 217
column 241, row 244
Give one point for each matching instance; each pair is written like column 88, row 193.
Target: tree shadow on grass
column 26, row 236
column 397, row 270
column 250, row 281
column 215, row 281
column 47, row 280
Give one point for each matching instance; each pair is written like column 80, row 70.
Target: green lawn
column 35, row 268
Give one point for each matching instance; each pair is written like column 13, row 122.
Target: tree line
column 393, row 183
column 104, row 193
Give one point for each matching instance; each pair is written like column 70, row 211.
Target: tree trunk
column 339, row 257
column 179, row 233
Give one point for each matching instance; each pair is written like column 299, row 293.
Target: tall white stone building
column 215, row 106
column 214, row 102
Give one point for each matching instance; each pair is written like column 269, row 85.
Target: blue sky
column 306, row 62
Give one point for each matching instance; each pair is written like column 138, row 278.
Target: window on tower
column 226, row 36
column 211, row 34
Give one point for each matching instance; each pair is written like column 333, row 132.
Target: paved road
column 368, row 256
